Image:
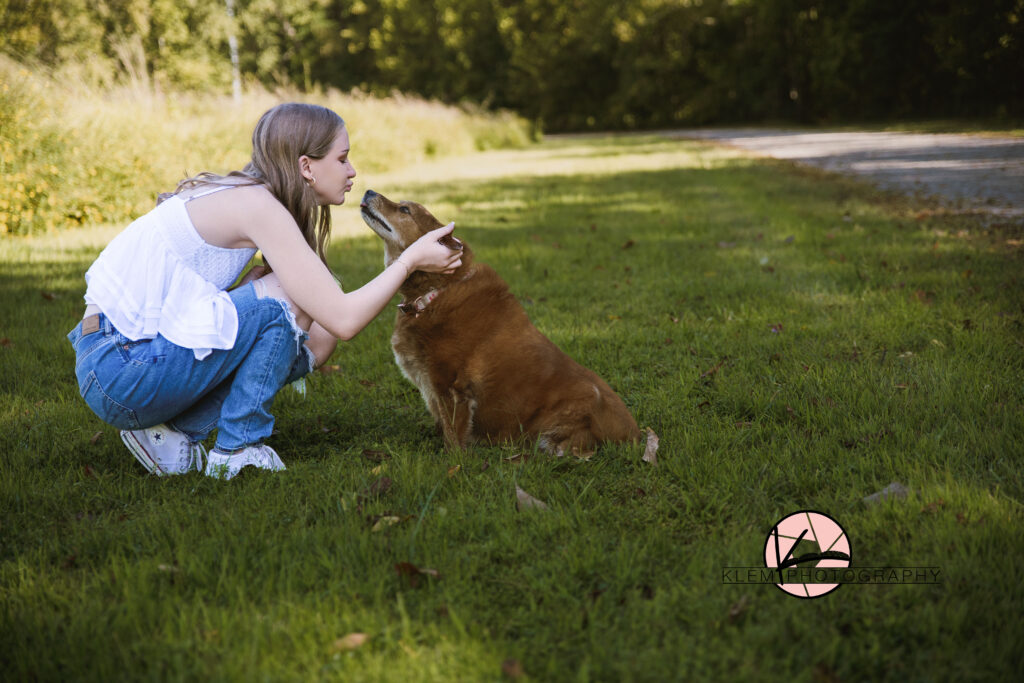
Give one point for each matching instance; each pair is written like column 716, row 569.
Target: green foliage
column 796, row 341
column 576, row 65
column 73, row 155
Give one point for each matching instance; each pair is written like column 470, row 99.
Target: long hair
column 282, row 135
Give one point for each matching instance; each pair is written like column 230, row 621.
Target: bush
column 73, row 155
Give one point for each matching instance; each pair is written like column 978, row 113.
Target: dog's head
column 400, row 224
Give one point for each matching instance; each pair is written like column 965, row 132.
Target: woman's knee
column 269, row 287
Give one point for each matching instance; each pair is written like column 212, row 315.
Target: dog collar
column 416, row 307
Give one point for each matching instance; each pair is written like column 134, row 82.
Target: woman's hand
column 429, row 255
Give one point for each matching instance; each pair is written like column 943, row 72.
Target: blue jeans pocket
column 138, row 352
column 106, row 408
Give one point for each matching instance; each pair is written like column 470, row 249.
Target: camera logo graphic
column 801, row 546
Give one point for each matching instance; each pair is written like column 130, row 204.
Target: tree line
column 565, row 64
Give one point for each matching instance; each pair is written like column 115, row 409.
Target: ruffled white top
column 158, row 276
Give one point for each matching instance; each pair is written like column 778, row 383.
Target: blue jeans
column 143, row 383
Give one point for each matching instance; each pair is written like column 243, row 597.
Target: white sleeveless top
column 159, row 277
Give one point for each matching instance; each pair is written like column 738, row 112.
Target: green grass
column 798, row 341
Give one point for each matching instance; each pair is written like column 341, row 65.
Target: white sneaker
column 163, row 451
column 224, row 466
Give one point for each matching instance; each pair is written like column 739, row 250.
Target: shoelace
column 266, row 460
column 191, row 456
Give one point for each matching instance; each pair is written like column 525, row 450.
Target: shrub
column 71, row 155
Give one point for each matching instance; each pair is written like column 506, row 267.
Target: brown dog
column 485, row 372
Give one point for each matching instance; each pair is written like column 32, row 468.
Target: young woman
column 166, row 354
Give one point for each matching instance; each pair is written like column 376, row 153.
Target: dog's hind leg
column 457, row 412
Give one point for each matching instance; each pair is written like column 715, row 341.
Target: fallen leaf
column 933, row 507
column 384, row 521
column 893, row 490
column 413, row 573
column 376, row 489
column 519, row 458
column 168, row 568
column 379, row 469
column 923, row 297
column 375, row 456
column 49, row 296
column 711, row 371
column 651, row 451
column 486, row 464
column 329, row 369
column 367, row 383
column 738, row 608
column 452, row 471
column 350, row 642
column 512, row 668
column 524, row 501
column 89, row 472
column 95, row 438
column 628, row 244
column 6, row 343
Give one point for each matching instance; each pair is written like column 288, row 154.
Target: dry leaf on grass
column 413, row 573
column 711, row 371
column 375, row 456
column 350, row 642
column 651, row 451
column 524, row 500
column 512, row 668
column 893, row 490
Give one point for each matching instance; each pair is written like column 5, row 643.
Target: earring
column 312, row 180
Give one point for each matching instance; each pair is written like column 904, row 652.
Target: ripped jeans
column 143, row 383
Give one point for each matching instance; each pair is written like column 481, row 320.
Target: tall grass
column 72, row 154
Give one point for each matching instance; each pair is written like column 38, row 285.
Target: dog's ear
column 451, row 242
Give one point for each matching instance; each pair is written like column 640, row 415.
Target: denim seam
column 268, row 365
column 280, row 336
column 93, row 381
column 80, row 357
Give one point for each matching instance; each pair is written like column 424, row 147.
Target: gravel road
column 966, row 172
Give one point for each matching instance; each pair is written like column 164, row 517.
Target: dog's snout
column 368, row 197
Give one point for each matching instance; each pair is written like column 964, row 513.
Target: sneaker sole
column 140, row 454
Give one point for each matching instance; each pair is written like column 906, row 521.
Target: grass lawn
column 797, row 341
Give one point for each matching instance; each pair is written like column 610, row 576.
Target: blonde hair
column 282, row 135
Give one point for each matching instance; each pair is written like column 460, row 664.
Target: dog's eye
column 404, row 209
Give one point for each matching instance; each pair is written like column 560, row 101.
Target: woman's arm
column 309, row 284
